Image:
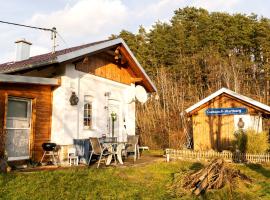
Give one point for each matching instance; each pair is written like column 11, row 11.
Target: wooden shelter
column 215, row 119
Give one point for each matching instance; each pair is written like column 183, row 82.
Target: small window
column 88, row 112
column 17, row 108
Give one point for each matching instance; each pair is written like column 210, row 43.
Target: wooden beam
column 124, row 61
column 135, row 80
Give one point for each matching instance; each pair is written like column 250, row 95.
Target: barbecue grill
column 50, row 149
column 48, row 146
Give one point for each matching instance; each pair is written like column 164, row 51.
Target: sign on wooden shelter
column 226, row 111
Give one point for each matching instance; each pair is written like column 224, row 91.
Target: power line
column 53, row 31
column 27, row 26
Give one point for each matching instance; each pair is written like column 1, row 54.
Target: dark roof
column 39, row 60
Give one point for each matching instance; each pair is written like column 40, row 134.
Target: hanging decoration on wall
column 114, row 118
column 241, row 123
column 73, row 99
column 117, row 55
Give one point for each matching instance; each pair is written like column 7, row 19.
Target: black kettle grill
column 50, row 149
column 49, row 146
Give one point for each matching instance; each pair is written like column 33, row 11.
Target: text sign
column 226, row 111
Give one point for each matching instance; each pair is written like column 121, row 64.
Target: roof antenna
column 53, row 32
column 53, row 38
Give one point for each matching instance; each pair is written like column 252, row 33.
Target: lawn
column 152, row 181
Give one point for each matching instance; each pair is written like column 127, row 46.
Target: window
column 18, row 113
column 17, row 108
column 88, row 112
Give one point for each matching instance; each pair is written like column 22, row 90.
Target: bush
column 241, row 141
column 251, row 142
column 257, row 142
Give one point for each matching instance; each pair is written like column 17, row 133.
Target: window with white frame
column 88, row 112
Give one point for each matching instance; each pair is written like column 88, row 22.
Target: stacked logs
column 213, row 176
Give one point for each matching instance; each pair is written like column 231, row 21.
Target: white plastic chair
column 100, row 151
column 132, row 146
column 72, row 157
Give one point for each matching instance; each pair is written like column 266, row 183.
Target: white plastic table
column 119, row 147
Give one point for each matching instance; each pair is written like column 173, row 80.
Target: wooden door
column 18, row 125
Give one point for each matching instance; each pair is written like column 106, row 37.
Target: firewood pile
column 213, row 176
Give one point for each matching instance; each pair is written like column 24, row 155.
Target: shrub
column 257, row 142
column 250, row 141
column 241, row 141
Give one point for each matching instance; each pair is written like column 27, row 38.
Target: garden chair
column 98, row 150
column 133, row 146
column 72, row 156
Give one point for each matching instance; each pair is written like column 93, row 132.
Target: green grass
column 152, row 181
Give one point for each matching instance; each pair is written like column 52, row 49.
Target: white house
column 84, row 85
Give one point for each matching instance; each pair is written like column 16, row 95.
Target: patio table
column 119, row 147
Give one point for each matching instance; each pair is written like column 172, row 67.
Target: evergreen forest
column 192, row 56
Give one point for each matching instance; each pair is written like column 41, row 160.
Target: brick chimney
column 22, row 49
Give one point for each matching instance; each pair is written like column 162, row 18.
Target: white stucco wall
column 251, row 122
column 67, row 120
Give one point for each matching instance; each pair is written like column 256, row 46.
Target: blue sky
column 84, row 21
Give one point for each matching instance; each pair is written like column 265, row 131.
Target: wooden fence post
column 168, row 157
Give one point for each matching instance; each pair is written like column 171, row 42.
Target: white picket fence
column 172, row 154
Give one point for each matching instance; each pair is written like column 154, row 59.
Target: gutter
column 78, row 106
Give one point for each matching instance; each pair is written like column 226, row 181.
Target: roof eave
column 87, row 50
column 139, row 65
column 6, row 78
column 31, row 66
column 231, row 93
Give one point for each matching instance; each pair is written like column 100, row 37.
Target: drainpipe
column 78, row 106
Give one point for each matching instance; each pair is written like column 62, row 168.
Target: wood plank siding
column 41, row 97
column 104, row 65
column 135, row 69
column 216, row 132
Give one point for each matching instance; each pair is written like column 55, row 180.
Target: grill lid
column 48, row 146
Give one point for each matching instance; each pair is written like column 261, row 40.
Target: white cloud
column 82, row 22
column 86, row 18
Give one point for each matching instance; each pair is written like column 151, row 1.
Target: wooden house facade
column 37, row 97
column 25, row 114
column 215, row 119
